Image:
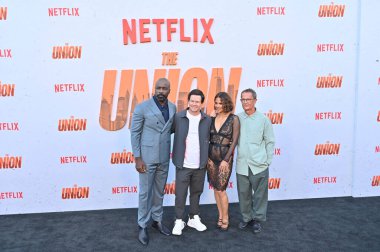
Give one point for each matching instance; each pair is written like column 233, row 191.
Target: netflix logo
column 124, row 189
column 189, row 31
column 11, row 195
column 55, row 12
column 69, row 87
column 275, row 11
column 324, row 180
column 321, row 48
column 328, row 116
column 73, row 159
column 270, row 83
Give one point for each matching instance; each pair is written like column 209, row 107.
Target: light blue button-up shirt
column 256, row 143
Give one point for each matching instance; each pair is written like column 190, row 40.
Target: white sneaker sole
column 200, row 230
column 180, row 233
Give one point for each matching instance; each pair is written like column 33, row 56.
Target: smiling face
column 195, row 104
column 218, row 105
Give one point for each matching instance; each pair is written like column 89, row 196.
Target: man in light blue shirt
column 255, row 154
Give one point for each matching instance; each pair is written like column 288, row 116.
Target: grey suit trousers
column 151, row 193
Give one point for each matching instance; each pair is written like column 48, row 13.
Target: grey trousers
column 253, row 205
column 151, row 193
column 185, row 178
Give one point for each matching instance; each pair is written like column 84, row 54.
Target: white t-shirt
column 192, row 152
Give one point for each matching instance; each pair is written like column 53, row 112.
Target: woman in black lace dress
column 224, row 136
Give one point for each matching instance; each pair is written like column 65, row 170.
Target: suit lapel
column 171, row 110
column 156, row 111
column 171, row 114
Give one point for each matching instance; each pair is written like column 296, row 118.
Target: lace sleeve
column 235, row 138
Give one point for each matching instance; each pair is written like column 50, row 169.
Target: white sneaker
column 178, row 226
column 196, row 223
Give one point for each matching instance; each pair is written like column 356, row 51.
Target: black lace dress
column 222, row 145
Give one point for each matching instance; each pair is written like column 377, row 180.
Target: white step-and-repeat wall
column 366, row 158
column 71, row 73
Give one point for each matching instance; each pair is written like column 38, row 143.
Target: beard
column 161, row 98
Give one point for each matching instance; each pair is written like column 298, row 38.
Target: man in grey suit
column 151, row 141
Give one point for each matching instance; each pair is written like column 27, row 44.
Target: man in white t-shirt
column 190, row 154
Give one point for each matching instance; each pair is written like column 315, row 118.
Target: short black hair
column 196, row 92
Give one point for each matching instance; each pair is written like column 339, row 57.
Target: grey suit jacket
column 150, row 135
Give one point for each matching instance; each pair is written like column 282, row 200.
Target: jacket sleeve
column 136, row 130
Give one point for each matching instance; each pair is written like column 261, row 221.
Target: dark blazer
column 181, row 128
column 150, row 135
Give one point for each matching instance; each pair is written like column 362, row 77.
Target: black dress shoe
column 243, row 224
column 143, row 236
column 161, row 227
column 256, row 227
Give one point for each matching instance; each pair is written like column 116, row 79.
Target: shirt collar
column 245, row 115
column 158, row 103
